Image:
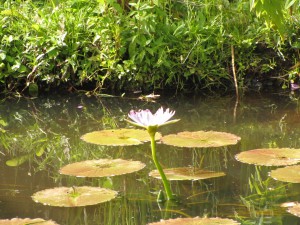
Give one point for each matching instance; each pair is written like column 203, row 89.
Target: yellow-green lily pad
column 270, row 156
column 197, row 221
column 19, row 221
column 287, row 174
column 102, row 168
column 186, row 173
column 74, row 196
column 118, row 137
column 200, row 139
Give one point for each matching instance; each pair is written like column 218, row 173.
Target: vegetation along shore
column 148, row 45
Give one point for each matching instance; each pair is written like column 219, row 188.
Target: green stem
column 159, row 168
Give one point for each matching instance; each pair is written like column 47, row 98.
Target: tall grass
column 183, row 45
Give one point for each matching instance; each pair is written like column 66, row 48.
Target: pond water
column 43, row 134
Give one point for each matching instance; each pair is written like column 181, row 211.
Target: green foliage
column 183, row 45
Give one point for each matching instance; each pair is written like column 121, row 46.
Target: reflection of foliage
column 264, row 197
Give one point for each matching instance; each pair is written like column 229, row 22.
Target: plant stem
column 159, row 168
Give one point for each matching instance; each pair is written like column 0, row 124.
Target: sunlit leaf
column 292, row 207
column 27, row 221
column 270, row 157
column 287, row 174
column 200, row 139
column 18, row 160
column 196, row 221
column 186, row 173
column 101, row 168
column 74, row 196
column 118, row 137
column 295, row 210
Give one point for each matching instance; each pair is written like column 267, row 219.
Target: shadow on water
column 40, row 136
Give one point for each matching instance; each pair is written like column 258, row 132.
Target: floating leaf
column 196, row 221
column 101, row 168
column 270, row 157
column 18, row 221
column 200, row 139
column 118, row 137
column 186, row 173
column 295, row 210
column 287, row 174
column 74, row 196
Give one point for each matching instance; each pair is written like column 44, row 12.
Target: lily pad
column 101, row 168
column 186, row 173
column 270, row 157
column 18, row 221
column 287, row 174
column 118, row 137
column 200, row 139
column 196, row 221
column 295, row 210
column 74, row 196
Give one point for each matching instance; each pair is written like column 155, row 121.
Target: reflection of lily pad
column 18, row 221
column 101, row 168
column 196, row 221
column 270, row 157
column 200, row 139
column 118, row 137
column 74, row 196
column 287, row 174
column 186, row 173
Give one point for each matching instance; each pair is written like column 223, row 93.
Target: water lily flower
column 145, row 119
column 149, row 121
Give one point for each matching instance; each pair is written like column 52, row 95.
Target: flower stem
column 159, row 168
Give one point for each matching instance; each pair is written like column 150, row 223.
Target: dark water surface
column 43, row 134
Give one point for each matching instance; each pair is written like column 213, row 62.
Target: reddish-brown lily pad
column 196, row 221
column 270, row 156
column 74, row 196
column 102, row 168
column 186, row 173
column 118, row 137
column 287, row 174
column 27, row 221
column 200, row 139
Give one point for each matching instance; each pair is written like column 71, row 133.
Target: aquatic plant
column 151, row 122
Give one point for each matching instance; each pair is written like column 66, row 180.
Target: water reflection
column 42, row 135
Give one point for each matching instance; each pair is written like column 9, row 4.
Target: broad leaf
column 200, row 139
column 287, row 174
column 186, row 173
column 101, row 168
column 118, row 137
column 196, row 221
column 74, row 196
column 270, row 156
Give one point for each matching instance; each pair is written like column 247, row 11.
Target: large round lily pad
column 118, row 137
column 196, row 221
column 18, row 221
column 101, row 168
column 74, row 196
column 287, row 174
column 200, row 139
column 186, row 173
column 270, row 156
